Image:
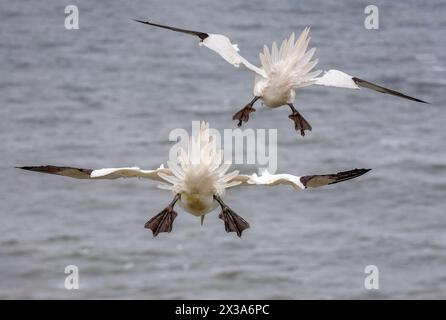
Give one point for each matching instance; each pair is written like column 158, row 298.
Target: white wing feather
column 106, row 173
column 299, row 183
column 336, row 78
column 129, row 172
column 228, row 51
column 270, row 180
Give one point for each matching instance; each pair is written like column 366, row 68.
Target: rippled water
column 109, row 93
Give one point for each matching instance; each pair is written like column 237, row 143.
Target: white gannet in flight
column 199, row 182
column 282, row 71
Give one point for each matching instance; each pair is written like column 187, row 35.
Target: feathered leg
column 233, row 222
column 163, row 221
column 243, row 114
column 299, row 121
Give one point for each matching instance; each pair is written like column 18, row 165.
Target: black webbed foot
column 300, row 123
column 233, row 222
column 243, row 114
column 163, row 221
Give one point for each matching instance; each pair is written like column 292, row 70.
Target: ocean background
column 108, row 94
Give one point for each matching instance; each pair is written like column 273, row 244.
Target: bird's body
column 283, row 70
column 198, row 204
column 199, row 181
column 200, row 175
column 287, row 68
column 272, row 93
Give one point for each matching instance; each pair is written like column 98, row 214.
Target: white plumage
column 287, row 68
column 199, row 181
column 228, row 51
column 283, row 70
column 336, row 78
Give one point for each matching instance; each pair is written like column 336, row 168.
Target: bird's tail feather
column 291, row 64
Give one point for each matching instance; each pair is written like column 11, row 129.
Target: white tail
column 200, row 165
column 291, row 64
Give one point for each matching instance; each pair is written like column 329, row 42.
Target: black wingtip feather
column 141, row 21
column 314, row 181
column 348, row 175
column 370, row 85
column 201, row 35
column 23, row 168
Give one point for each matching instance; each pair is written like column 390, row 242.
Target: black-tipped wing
column 336, row 78
column 319, row 180
column 77, row 173
column 298, row 183
column 365, row 84
column 218, row 43
column 107, row 173
column 201, row 35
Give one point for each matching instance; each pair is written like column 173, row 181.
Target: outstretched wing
column 336, row 78
column 201, row 35
column 299, row 183
column 218, row 43
column 291, row 64
column 107, row 173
